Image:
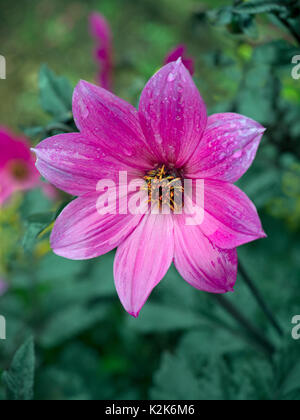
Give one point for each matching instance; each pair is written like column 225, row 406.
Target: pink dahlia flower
column 170, row 137
column 17, row 165
column 180, row 52
column 101, row 32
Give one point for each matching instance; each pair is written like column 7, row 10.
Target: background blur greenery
column 184, row 346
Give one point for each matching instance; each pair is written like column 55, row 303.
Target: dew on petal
column 158, row 138
column 238, row 154
column 83, row 108
column 171, row 77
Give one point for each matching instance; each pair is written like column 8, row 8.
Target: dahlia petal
column 200, row 262
column 180, row 52
column 81, row 233
column 230, row 217
column 75, row 163
column 113, row 123
column 172, row 114
column 142, row 260
column 227, row 149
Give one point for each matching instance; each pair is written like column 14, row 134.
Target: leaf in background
column 221, row 17
column 19, row 379
column 55, row 94
column 175, row 380
column 158, row 318
column 198, row 369
column 263, row 180
column 35, row 201
column 36, row 224
column 257, row 97
column 75, row 282
column 263, row 6
column 84, row 364
column 34, row 132
column 291, row 385
column 275, row 53
column 248, row 26
column 59, row 271
column 65, row 385
column 218, row 373
column 70, row 322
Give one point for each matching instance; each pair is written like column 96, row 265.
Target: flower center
column 19, row 170
column 165, row 188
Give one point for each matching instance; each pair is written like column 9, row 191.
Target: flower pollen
column 19, row 170
column 165, row 187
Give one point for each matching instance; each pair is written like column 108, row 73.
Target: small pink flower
column 101, row 32
column 180, row 52
column 170, row 133
column 17, row 165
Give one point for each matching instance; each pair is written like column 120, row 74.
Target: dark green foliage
column 266, row 6
column 240, row 18
column 55, row 94
column 36, row 224
column 19, row 379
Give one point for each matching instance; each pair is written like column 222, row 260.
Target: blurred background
column 186, row 344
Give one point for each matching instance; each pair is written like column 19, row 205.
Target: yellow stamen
column 164, row 188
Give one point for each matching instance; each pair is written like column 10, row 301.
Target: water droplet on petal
column 128, row 153
column 171, row 77
column 158, row 138
column 83, row 109
column 238, row 154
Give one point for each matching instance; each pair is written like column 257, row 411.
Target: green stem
column 260, row 300
column 253, row 332
column 216, row 321
column 289, row 27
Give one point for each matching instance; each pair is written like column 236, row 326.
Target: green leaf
column 55, row 94
column 34, row 201
column 263, row 6
column 157, row 317
column 36, row 224
column 249, row 27
column 292, row 381
column 34, row 132
column 275, row 53
column 207, row 366
column 257, row 97
column 70, row 322
column 19, row 379
column 220, row 17
column 175, row 380
column 65, row 385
